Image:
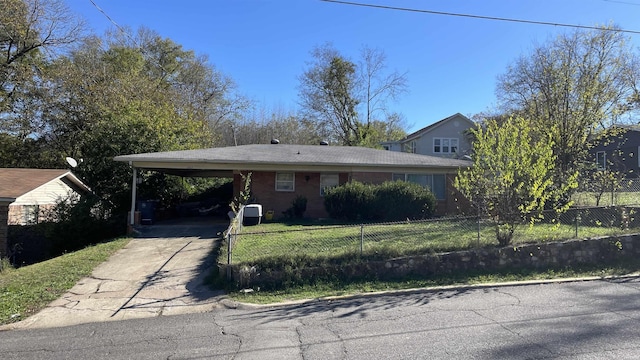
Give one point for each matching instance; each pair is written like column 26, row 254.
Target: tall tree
column 31, row 32
column 348, row 100
column 569, row 89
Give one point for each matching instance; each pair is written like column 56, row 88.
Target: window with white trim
column 328, row 181
column 601, row 160
column 434, row 182
column 445, row 145
column 285, row 181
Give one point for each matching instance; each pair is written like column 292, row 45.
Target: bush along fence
column 426, row 247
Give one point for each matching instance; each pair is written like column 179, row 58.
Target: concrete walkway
column 160, row 272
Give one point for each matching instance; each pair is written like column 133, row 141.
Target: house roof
column 281, row 157
column 15, row 182
column 436, row 125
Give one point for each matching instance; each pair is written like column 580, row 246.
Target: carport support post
column 134, row 183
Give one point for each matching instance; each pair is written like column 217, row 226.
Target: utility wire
column 480, row 16
column 111, row 20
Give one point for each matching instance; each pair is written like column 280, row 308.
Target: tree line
column 68, row 93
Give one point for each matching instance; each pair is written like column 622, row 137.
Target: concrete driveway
column 160, row 272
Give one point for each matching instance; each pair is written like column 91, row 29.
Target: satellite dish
column 71, row 161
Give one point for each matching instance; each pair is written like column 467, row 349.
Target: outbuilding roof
column 290, row 157
column 15, row 182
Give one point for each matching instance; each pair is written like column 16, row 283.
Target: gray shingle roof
column 290, row 155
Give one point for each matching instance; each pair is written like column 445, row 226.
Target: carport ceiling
column 192, row 172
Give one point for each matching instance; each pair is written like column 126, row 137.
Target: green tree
column 511, row 176
column 569, row 89
column 31, row 31
column 109, row 102
column 349, row 100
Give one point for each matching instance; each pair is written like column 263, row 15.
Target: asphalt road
column 576, row 320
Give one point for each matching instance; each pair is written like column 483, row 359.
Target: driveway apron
column 160, row 272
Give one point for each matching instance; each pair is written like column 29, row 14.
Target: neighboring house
column 280, row 173
column 446, row 138
column 36, row 191
column 619, row 152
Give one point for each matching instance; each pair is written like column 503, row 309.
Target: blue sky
column 451, row 62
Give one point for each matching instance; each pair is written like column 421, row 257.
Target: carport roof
column 283, row 157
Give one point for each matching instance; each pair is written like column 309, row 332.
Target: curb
column 233, row 304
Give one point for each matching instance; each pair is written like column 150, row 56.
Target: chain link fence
column 626, row 192
column 279, row 243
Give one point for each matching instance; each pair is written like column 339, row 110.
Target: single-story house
column 36, row 191
column 448, row 137
column 281, row 172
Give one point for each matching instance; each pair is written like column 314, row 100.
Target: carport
column 176, row 163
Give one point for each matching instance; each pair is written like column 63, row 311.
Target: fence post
column 479, row 229
column 361, row 238
column 229, row 247
column 577, row 221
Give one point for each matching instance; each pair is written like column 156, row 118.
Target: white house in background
column 36, row 191
column 445, row 138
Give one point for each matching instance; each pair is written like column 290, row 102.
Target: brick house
column 281, row 172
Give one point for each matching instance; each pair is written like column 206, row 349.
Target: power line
column 479, row 16
column 111, row 20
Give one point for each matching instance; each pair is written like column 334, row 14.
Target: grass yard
column 607, row 199
column 26, row 290
column 272, row 243
column 328, row 289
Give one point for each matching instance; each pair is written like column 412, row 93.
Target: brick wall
column 371, row 177
column 307, row 184
column 4, row 211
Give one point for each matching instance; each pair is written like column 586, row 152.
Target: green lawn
column 277, row 242
column 607, row 199
column 26, row 290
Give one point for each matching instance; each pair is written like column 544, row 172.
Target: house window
column 328, row 181
column 411, row 147
column 445, row 145
column 285, row 182
column 601, row 160
column 386, row 147
column 434, row 182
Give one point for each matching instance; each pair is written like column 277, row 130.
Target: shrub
column 390, row 201
column 351, row 201
column 71, row 225
column 297, row 209
column 399, row 200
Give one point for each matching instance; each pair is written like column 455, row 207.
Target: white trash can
column 252, row 214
